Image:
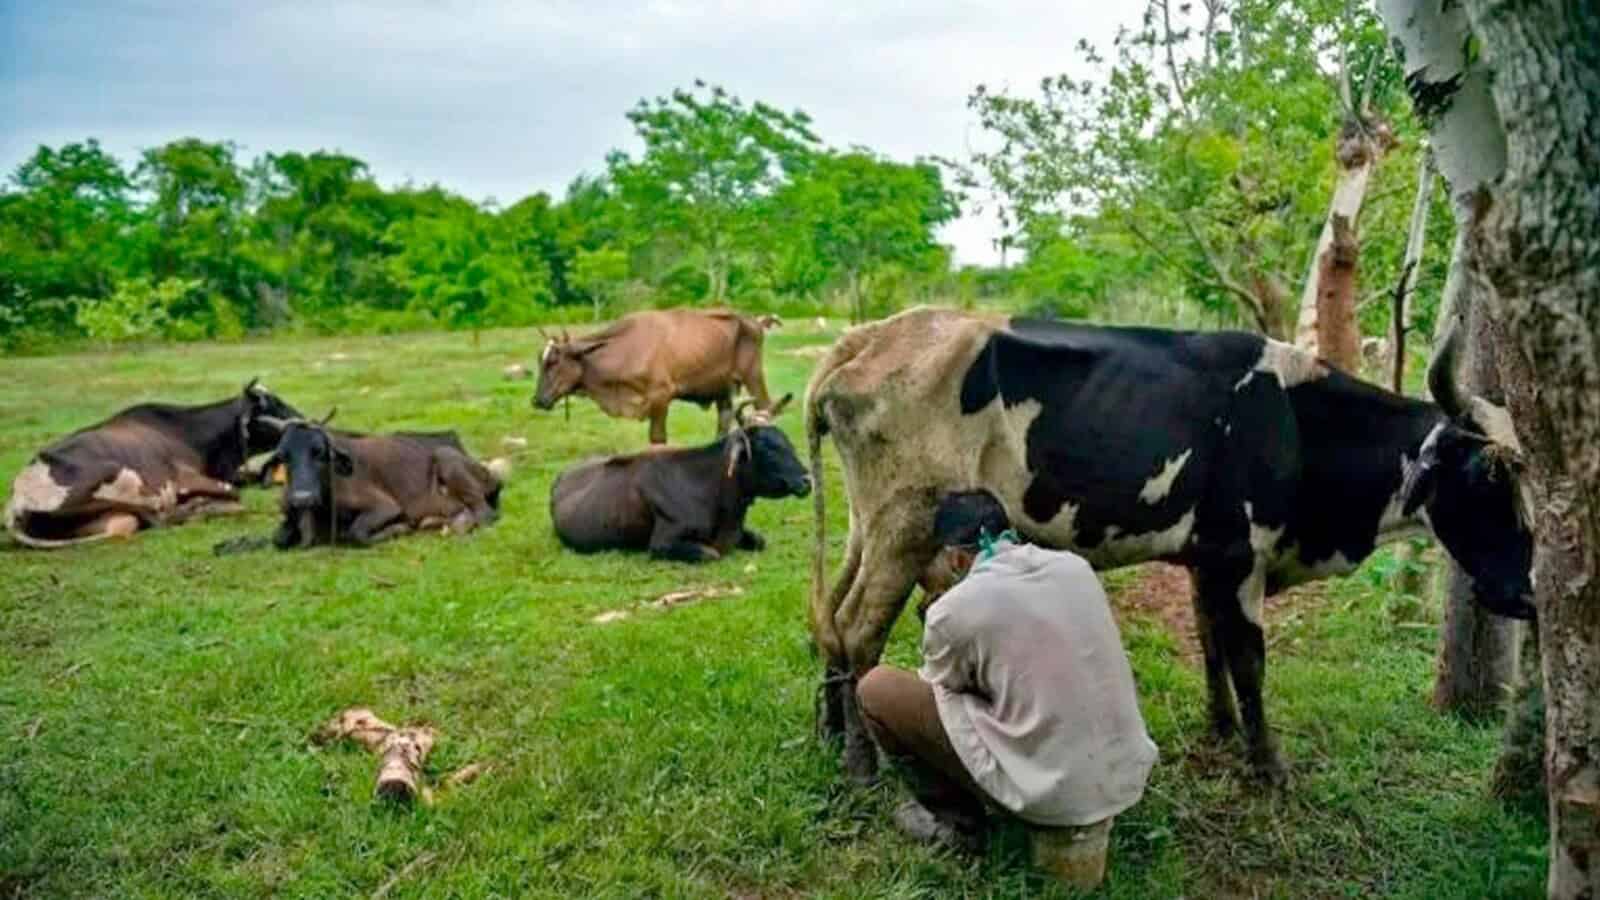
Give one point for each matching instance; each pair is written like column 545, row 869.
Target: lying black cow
column 1250, row 462
column 348, row 487
column 149, row 465
column 682, row 504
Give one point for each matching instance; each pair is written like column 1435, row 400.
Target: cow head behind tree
column 1466, row 480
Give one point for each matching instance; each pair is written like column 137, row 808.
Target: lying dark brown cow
column 683, row 504
column 151, row 464
column 635, row 368
column 346, row 487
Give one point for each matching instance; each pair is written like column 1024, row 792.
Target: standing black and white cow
column 1250, row 462
column 148, row 465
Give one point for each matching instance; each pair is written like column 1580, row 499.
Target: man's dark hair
column 964, row 515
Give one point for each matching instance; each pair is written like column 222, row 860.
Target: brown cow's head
column 761, row 456
column 561, row 368
column 1466, row 478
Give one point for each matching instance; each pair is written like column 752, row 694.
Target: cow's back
column 1099, row 440
column 595, row 505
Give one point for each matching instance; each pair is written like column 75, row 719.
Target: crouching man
column 1025, row 700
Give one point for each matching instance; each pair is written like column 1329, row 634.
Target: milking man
column 1025, row 700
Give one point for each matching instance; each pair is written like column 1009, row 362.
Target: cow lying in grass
column 148, row 465
column 682, row 504
column 346, row 487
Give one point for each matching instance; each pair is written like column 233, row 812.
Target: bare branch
column 1172, row 60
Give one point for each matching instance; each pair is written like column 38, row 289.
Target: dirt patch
column 1160, row 592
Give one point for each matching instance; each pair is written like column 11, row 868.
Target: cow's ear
column 1420, row 484
column 344, row 465
column 585, row 351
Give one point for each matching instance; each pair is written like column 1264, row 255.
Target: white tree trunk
column 1451, row 95
column 1539, row 259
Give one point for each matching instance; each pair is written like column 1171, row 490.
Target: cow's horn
column 542, row 333
column 253, row 382
column 739, row 411
column 274, row 422
column 1495, row 423
column 329, row 417
column 1442, row 374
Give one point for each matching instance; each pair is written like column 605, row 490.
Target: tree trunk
column 1539, row 255
column 1476, row 657
column 1327, row 322
column 1468, row 144
column 1519, row 771
column 1338, row 338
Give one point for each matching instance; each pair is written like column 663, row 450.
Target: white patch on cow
column 34, row 491
column 1120, row 549
column 260, row 390
column 1292, row 365
column 1157, row 488
column 1244, row 380
column 1251, row 593
column 549, row 349
column 129, row 489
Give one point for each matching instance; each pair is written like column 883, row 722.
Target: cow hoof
column 1270, row 770
column 861, row 761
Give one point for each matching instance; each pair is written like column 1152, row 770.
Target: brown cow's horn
column 1442, row 374
column 542, row 333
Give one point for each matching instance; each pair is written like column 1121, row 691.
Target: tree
column 1202, row 145
column 197, row 212
column 865, row 214
column 66, row 218
column 707, row 159
column 1533, row 242
column 599, row 273
column 1451, row 94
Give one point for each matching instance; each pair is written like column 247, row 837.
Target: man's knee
column 875, row 690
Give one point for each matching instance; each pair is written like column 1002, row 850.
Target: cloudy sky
column 499, row 98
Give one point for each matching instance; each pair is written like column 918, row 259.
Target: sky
column 499, row 98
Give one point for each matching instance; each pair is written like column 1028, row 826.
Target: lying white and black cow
column 1250, row 462
column 683, row 504
column 151, row 464
column 348, row 487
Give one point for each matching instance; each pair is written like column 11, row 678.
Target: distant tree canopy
column 726, row 203
column 1198, row 162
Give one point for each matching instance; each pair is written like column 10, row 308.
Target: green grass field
column 155, row 700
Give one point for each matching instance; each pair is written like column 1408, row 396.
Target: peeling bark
column 1538, row 255
column 1327, row 302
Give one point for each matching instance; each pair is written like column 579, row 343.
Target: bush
column 138, row 311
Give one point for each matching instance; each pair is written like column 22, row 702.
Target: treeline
column 727, row 202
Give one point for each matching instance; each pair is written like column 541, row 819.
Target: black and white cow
column 1250, row 462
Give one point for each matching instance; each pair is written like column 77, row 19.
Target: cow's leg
column 749, row 540
column 658, row 424
column 667, row 541
column 1233, row 593
column 889, row 569
column 199, row 495
column 111, row 524
column 377, row 523
column 836, row 683
column 463, row 479
column 724, row 413
column 1224, row 718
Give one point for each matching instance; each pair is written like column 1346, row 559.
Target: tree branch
column 1172, row 60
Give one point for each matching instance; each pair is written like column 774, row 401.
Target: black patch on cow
column 1116, row 406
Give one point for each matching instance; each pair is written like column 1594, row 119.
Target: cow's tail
column 821, row 616
column 27, row 540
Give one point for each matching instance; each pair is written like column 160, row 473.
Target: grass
column 155, row 700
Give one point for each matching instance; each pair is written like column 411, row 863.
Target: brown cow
column 635, row 368
column 366, row 488
column 148, row 465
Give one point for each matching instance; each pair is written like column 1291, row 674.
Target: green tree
column 708, row 158
column 1207, row 143
column 866, row 214
column 599, row 273
column 196, row 222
